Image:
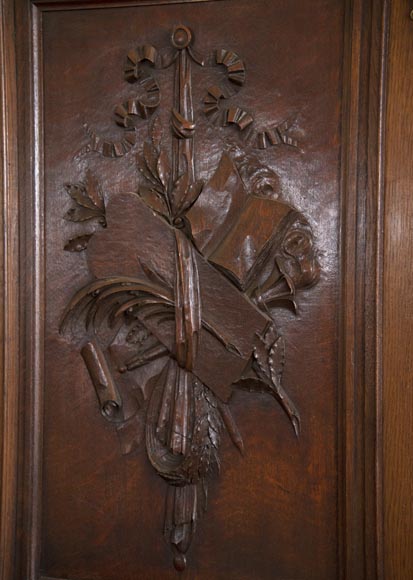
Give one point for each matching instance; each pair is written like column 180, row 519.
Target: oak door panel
column 198, row 205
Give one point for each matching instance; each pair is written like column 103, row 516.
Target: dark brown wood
column 215, row 334
column 361, row 358
column 397, row 309
column 287, row 135
column 10, row 311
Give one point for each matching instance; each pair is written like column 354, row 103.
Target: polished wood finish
column 287, row 508
column 10, row 311
column 397, row 308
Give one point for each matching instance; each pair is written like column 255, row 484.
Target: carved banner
column 187, row 272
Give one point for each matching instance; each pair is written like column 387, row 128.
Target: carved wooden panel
column 194, row 262
column 188, row 272
column 191, row 197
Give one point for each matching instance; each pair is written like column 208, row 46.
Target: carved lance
column 183, row 113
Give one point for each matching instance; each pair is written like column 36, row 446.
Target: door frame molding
column 360, row 325
column 10, row 311
column 361, row 415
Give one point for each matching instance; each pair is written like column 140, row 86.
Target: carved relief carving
column 89, row 206
column 187, row 274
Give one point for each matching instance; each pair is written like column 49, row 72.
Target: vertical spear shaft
column 187, row 301
column 183, row 113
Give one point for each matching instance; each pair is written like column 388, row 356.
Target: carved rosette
column 183, row 288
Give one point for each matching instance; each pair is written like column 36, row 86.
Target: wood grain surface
column 9, row 309
column 398, row 310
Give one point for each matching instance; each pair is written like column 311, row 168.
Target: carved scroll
column 188, row 287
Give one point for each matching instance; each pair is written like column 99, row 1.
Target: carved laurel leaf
column 179, row 191
column 153, row 199
column 82, row 214
column 184, row 194
column 151, row 159
column 156, row 132
column 164, row 168
column 78, row 193
column 78, row 244
column 191, row 196
column 87, row 194
column 143, row 169
column 94, row 192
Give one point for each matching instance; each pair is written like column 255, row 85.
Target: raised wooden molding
column 361, row 357
column 51, row 5
column 50, row 578
column 397, row 307
column 10, row 311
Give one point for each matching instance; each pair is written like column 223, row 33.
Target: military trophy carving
column 187, row 273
